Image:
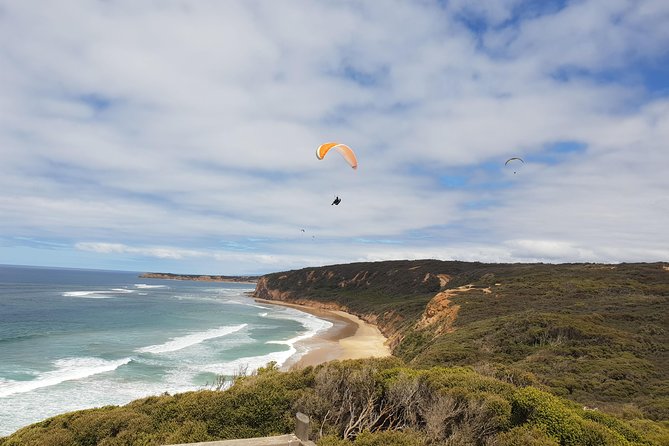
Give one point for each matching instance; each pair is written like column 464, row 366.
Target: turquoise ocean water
column 74, row 339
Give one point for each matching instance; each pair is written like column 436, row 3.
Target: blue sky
column 180, row 136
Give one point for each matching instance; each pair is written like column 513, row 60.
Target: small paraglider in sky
column 336, row 201
column 303, row 231
column 514, row 161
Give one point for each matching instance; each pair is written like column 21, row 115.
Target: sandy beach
column 349, row 338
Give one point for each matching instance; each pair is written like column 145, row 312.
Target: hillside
column 596, row 334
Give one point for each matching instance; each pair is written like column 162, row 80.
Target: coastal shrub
column 612, row 423
column 525, row 436
column 658, row 408
column 259, row 405
column 91, row 427
column 653, row 431
column 389, row 438
column 588, row 371
column 353, row 397
column 383, row 438
column 186, row 432
column 348, row 396
column 468, row 419
column 104, row 426
column 453, row 405
column 567, row 424
column 161, row 409
column 333, row 440
column 509, row 374
column 466, row 379
column 414, row 342
column 57, row 436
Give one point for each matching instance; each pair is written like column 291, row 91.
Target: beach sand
column 349, row 338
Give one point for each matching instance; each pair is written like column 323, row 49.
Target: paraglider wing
column 514, row 158
column 343, row 149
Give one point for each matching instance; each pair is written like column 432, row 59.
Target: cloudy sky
column 180, row 136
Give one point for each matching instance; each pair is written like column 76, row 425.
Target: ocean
column 74, row 339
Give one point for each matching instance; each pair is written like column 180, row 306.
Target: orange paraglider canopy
column 343, row 149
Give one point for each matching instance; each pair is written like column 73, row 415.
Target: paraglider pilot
column 336, row 201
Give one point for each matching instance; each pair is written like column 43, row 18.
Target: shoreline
column 349, row 338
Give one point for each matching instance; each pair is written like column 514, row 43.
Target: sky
column 180, row 136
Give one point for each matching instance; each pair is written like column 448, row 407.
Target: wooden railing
column 299, row 438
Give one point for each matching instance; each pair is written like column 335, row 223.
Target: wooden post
column 302, row 426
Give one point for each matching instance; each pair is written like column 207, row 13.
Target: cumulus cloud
column 118, row 248
column 191, row 127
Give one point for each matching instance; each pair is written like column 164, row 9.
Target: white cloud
column 550, row 250
column 179, row 124
column 118, row 248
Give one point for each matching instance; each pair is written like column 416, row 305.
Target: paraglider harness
column 336, row 201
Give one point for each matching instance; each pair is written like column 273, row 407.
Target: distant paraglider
column 513, row 161
column 303, row 231
column 336, row 201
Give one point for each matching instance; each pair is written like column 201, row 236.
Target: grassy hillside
column 597, row 334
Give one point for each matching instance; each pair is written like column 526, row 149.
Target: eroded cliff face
column 310, row 287
column 263, row 291
column 441, row 313
column 375, row 292
column 302, row 288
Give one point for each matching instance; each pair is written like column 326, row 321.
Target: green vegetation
column 596, row 334
column 574, row 354
column 362, row 402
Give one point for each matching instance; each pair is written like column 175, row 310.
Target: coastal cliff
column 595, row 333
column 393, row 295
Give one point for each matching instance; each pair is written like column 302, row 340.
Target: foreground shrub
column 537, row 408
column 383, row 438
column 525, row 436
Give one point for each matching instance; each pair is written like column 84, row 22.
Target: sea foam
column 188, row 340
column 67, row 369
column 312, row 325
column 97, row 294
column 248, row 364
